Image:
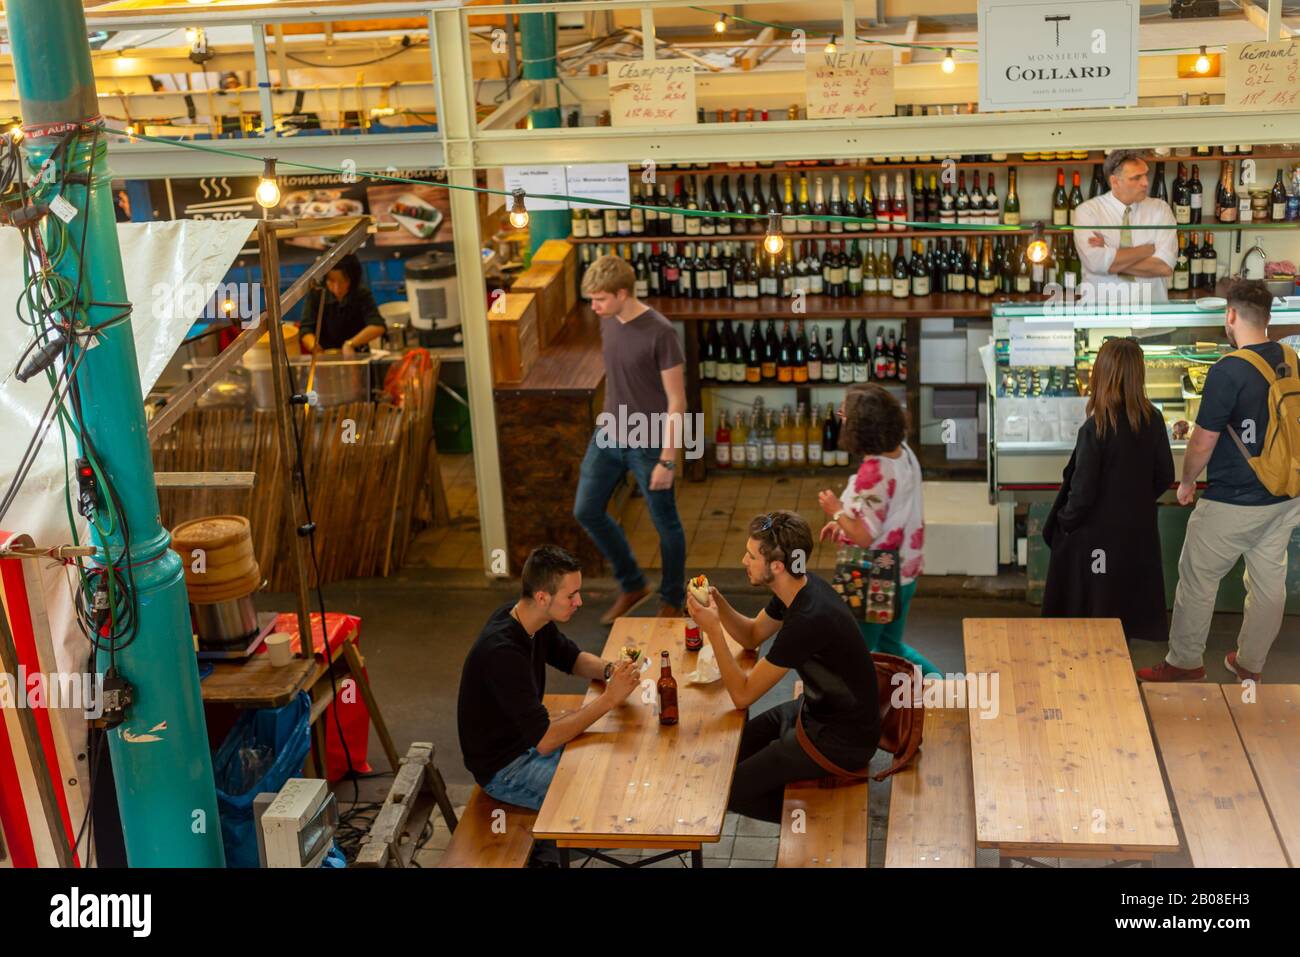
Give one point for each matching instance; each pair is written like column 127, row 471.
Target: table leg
column 372, row 706
column 697, row 859
column 564, row 857
column 1003, row 861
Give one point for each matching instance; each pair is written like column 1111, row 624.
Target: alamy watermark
column 84, row 690
column 650, row 430
column 233, row 301
column 977, row 691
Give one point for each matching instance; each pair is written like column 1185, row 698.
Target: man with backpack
column 1250, row 507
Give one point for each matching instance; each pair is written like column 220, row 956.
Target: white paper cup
column 279, row 649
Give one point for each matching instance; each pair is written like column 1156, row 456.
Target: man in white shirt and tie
column 1126, row 267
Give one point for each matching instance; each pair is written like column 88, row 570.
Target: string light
column 720, row 25
column 16, row 133
column 131, row 130
column 774, row 241
column 268, row 189
column 1037, row 250
column 1202, row 62
column 228, row 307
column 830, row 45
column 949, row 64
column 191, row 35
column 518, row 212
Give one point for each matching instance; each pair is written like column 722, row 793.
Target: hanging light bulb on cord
column 949, row 64
column 1202, row 62
column 774, row 241
column 1037, row 249
column 830, row 45
column 268, row 189
column 720, row 25
column 518, row 212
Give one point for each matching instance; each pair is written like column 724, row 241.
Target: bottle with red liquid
column 667, row 691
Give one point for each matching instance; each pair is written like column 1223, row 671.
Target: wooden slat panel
column 834, row 824
column 1068, row 763
column 1270, row 730
column 629, row 778
column 932, row 802
column 1225, row 821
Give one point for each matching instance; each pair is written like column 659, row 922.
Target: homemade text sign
column 652, row 93
column 857, row 82
column 1263, row 76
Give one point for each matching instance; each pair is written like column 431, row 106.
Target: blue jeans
column 602, row 470
column 525, row 780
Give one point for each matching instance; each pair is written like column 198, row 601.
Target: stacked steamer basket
column 221, row 575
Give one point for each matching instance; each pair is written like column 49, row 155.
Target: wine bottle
column 963, row 200
column 1076, row 197
column 920, row 274
column 1011, row 208
column 850, row 209
column 1182, row 270
column 991, row 203
column 819, row 207
column 722, row 224
column 902, row 280
column 830, row 365
column 1209, row 264
column 1060, row 204
column 814, row 371
column 853, row 275
column 1182, row 197
column 1225, row 197
column 862, row 354
column 800, row 355
column 947, row 205
column 828, row 438
column 847, row 354
column 1278, row 199
column 804, row 208
column 754, row 355
column 898, row 208
column 987, row 283
column 1196, row 193
column 785, row 356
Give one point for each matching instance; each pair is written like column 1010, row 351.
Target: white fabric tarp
column 156, row 258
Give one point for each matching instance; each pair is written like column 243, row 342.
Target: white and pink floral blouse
column 886, row 493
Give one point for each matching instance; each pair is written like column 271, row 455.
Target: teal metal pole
column 538, row 45
column 164, row 776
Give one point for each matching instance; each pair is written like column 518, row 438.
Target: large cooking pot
column 338, row 380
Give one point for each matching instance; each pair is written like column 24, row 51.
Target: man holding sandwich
column 834, row 726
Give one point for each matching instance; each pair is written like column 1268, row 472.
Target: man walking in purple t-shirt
column 640, row 430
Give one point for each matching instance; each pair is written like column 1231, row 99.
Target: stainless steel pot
column 338, row 380
column 225, row 623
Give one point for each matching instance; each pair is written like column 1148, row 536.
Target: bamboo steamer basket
column 230, row 567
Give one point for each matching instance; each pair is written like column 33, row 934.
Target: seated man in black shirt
column 817, row 636
column 509, row 743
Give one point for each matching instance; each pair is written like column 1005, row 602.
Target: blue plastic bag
column 263, row 750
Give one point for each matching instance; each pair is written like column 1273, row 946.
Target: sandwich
column 699, row 588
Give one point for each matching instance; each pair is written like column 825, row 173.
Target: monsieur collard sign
column 1037, row 55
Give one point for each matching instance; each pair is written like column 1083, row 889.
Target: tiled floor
column 715, row 515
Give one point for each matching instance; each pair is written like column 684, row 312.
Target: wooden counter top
column 571, row 365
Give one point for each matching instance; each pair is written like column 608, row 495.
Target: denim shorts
column 525, row 780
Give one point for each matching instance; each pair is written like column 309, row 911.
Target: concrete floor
column 418, row 625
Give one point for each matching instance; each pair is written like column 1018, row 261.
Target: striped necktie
column 1126, row 241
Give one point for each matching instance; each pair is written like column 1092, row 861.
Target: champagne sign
column 1263, row 76
column 856, row 82
column 1064, row 54
column 652, row 93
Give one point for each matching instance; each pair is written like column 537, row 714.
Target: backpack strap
column 1255, row 359
column 1289, row 358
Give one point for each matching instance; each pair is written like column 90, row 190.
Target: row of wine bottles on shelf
column 840, row 268
column 929, row 202
column 726, row 355
column 1028, row 382
column 763, row 441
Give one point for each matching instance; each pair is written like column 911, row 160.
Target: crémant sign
column 1037, row 55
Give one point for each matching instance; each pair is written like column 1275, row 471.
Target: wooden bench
column 1270, row 729
column 492, row 833
column 932, row 801
column 823, row 822
column 1224, row 818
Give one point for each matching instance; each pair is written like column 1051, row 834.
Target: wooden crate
column 546, row 282
column 559, row 251
column 514, row 334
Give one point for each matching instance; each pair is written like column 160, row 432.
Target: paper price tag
column 61, row 208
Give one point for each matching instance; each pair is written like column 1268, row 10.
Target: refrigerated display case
column 1038, row 365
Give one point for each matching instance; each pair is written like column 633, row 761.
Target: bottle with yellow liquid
column 799, row 440
column 739, row 437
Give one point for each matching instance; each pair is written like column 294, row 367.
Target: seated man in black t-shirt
column 818, row 637
column 508, row 741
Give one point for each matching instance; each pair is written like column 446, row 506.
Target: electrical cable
column 409, row 44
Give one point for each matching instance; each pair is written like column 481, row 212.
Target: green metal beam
column 161, row 761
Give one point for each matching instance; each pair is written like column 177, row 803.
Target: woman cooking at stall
column 350, row 318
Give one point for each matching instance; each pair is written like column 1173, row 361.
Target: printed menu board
column 652, row 93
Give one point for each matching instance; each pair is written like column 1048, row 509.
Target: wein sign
column 1037, row 55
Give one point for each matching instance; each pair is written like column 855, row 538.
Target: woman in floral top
column 881, row 505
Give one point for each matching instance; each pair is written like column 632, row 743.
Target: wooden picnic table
column 1067, row 767
column 629, row 782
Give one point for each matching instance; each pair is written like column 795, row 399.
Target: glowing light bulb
column 1037, row 249
column 227, row 307
column 1202, row 63
column 949, row 64
column 268, row 189
column 16, row 133
column 774, row 241
column 518, row 212
column 191, row 35
column 720, row 25
column 131, row 129
column 830, row 45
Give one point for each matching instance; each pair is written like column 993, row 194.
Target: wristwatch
column 669, row 464
column 609, row 670
column 837, row 516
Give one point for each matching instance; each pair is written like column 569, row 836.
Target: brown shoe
column 625, row 602
column 670, row 611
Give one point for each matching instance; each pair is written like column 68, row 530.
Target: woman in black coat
column 1102, row 529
